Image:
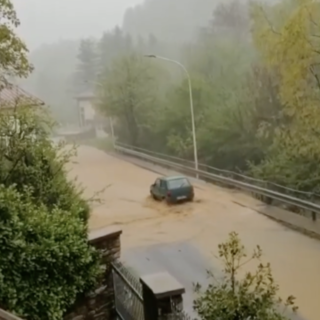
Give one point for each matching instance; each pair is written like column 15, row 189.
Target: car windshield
column 178, row 183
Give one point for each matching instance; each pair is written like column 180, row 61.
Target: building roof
column 11, row 95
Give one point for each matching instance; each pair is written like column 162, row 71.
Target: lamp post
column 194, row 137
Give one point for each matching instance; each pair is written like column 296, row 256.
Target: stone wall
column 99, row 304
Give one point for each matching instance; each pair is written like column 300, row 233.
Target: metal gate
column 128, row 293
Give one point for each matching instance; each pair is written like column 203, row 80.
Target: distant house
column 86, row 112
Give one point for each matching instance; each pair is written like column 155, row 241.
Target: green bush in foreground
column 29, row 158
column 253, row 297
column 45, row 260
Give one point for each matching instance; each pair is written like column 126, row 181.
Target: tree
column 295, row 150
column 28, row 160
column 112, row 45
column 231, row 19
column 175, row 121
column 232, row 298
column 45, row 258
column 13, row 52
column 130, row 96
column 87, row 67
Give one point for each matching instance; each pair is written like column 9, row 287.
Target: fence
column 304, row 204
column 228, row 174
column 147, row 299
column 128, row 294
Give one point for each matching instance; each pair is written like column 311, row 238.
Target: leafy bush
column 45, row 259
column 28, row 158
column 232, row 298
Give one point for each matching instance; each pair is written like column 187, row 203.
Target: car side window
column 163, row 184
column 157, row 183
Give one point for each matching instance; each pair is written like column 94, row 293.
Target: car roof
column 168, row 178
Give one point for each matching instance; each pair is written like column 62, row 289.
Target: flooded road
column 295, row 258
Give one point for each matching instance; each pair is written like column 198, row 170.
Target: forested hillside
column 255, row 77
column 255, row 89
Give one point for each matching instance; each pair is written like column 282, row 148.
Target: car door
column 156, row 188
column 163, row 188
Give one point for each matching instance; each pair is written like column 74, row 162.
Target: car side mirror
column 153, row 185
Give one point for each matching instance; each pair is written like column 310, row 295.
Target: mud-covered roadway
column 295, row 258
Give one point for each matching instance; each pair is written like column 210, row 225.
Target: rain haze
column 71, row 19
column 199, row 84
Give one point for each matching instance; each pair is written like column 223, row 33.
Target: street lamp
column 194, row 137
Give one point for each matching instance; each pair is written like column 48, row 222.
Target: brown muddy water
column 295, row 258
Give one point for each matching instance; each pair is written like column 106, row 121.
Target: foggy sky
column 46, row 21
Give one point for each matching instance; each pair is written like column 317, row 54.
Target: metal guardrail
column 301, row 206
column 230, row 174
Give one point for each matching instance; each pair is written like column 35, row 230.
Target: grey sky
column 45, row 21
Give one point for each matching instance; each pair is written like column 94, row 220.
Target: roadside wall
column 99, row 304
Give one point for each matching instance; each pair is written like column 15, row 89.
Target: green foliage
column 237, row 297
column 255, row 85
column 45, row 259
column 255, row 93
column 13, row 52
column 293, row 158
column 28, row 159
column 129, row 94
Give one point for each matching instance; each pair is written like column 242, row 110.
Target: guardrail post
column 162, row 295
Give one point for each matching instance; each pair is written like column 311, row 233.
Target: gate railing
column 128, row 293
column 135, row 300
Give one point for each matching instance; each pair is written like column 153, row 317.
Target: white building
column 86, row 111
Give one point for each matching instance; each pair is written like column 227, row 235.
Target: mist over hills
column 168, row 20
column 171, row 23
